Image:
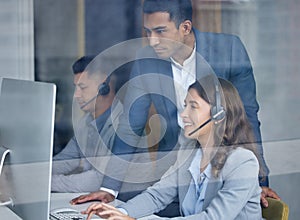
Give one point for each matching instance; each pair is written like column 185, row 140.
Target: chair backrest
column 277, row 210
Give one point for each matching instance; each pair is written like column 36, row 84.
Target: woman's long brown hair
column 234, row 130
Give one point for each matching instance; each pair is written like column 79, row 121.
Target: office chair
column 277, row 210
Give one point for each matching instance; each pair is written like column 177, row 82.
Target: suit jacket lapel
column 168, row 98
column 185, row 177
column 166, row 81
column 211, row 191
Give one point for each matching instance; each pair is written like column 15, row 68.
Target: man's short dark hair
column 119, row 76
column 80, row 65
column 179, row 10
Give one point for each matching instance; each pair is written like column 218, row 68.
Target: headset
column 104, row 87
column 217, row 112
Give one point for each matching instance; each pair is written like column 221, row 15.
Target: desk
column 7, row 214
column 59, row 200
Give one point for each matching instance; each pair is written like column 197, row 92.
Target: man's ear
column 186, row 26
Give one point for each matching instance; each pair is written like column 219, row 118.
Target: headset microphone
column 88, row 102
column 201, row 126
column 215, row 117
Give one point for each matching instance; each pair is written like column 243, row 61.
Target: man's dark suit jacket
column 152, row 82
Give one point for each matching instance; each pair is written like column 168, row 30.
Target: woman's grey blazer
column 234, row 194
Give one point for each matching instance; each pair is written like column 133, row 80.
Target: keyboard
column 62, row 216
column 66, row 214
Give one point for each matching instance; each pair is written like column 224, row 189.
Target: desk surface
column 60, row 200
column 6, row 213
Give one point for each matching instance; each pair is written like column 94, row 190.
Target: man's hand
column 267, row 192
column 94, row 196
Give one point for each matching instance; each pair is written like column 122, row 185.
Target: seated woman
column 215, row 176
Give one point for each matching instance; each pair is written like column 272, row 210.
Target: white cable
column 9, row 202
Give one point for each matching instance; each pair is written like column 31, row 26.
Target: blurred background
column 39, row 40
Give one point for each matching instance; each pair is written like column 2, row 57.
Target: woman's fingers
column 103, row 210
column 114, row 214
column 92, row 207
column 106, row 206
column 90, row 214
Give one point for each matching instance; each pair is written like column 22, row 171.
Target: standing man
column 179, row 52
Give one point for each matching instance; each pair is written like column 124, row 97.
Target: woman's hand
column 105, row 211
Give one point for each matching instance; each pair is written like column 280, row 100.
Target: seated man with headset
column 74, row 167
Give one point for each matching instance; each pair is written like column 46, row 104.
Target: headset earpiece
column 217, row 112
column 104, row 87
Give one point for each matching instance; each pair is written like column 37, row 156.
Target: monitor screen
column 27, row 112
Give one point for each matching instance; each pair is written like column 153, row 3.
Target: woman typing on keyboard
column 215, row 175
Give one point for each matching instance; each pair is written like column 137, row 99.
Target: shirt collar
column 189, row 60
column 195, row 167
column 100, row 121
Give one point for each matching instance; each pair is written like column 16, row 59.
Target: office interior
column 41, row 39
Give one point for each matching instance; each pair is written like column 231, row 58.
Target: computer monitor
column 27, row 112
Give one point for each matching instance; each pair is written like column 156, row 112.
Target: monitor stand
column 4, row 200
column 3, row 152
